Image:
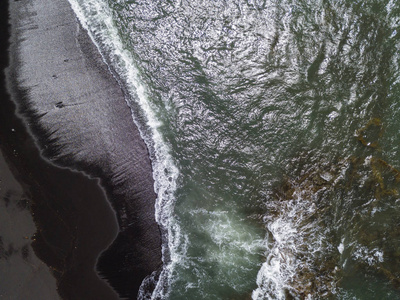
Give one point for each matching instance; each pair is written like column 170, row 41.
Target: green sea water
column 274, row 132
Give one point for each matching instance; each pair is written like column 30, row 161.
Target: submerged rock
column 332, row 222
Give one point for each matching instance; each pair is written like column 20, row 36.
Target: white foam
column 97, row 18
column 370, row 256
column 292, row 242
column 341, row 247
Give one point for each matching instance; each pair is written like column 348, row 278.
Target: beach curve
column 78, row 115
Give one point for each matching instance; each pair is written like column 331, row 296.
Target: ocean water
column 274, row 133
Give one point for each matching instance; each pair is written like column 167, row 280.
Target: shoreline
column 77, row 112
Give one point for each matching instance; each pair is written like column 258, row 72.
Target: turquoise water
column 274, row 132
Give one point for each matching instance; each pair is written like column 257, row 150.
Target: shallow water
column 273, row 129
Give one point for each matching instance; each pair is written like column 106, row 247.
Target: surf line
column 96, row 18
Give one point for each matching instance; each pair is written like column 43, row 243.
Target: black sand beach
column 78, row 115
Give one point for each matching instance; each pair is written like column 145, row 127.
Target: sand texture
column 78, row 115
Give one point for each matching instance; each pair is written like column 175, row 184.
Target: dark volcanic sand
column 53, row 194
column 78, row 115
column 23, row 275
column 74, row 221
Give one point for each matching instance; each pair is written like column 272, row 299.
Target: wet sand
column 77, row 113
column 63, row 203
column 23, row 275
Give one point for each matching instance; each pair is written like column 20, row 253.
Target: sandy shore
column 23, row 275
column 78, row 115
